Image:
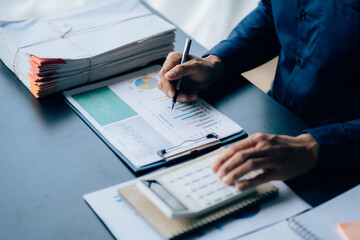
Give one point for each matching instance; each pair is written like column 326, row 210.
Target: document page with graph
column 135, row 117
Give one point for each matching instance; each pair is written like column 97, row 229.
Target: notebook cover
column 176, row 228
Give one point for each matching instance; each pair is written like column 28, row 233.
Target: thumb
column 180, row 70
column 170, row 75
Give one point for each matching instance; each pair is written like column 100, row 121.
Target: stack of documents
column 86, row 44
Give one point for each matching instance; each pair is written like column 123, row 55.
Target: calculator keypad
column 197, row 186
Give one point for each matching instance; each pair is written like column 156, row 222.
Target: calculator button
column 197, row 186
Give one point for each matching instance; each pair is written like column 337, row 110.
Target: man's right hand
column 198, row 73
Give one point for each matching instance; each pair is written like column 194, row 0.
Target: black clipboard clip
column 214, row 136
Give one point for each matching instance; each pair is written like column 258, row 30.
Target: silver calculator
column 190, row 191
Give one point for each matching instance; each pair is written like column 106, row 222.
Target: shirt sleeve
column 252, row 42
column 339, row 143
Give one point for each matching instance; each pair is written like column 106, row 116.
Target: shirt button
column 298, row 61
column 302, row 15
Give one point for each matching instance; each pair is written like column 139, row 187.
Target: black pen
column 184, row 58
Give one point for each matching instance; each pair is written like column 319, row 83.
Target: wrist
column 310, row 144
column 217, row 66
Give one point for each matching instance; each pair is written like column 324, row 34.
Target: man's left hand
column 279, row 157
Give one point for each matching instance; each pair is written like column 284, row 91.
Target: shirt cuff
column 332, row 141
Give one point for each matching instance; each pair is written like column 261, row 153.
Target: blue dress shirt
column 318, row 74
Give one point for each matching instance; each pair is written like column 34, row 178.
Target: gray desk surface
column 50, row 157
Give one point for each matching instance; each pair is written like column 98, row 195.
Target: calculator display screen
column 165, row 195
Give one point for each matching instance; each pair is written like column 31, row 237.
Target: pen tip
column 172, row 106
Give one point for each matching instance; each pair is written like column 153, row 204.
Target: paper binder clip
column 216, row 138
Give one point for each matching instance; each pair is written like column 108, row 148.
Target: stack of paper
column 86, row 44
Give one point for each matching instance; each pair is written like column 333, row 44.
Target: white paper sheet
column 135, row 117
column 206, row 21
column 26, row 9
column 275, row 232
column 124, row 222
column 112, row 21
column 320, row 221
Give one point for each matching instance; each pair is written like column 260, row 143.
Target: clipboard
column 187, row 149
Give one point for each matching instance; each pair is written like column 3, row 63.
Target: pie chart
column 146, row 83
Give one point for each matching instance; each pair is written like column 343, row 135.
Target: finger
column 164, row 85
column 173, row 59
column 168, row 88
column 253, row 182
column 237, row 168
column 181, row 70
column 161, row 87
column 193, row 97
column 246, row 143
column 176, row 73
column 238, row 159
column 183, row 97
column 249, row 142
column 250, row 165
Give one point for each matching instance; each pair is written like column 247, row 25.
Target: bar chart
column 193, row 113
column 194, row 119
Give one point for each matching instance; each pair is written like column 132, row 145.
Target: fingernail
column 193, row 98
column 239, row 186
column 182, row 98
column 213, row 167
column 170, row 94
column 170, row 75
column 226, row 180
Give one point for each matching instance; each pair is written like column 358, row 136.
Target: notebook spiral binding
column 300, row 230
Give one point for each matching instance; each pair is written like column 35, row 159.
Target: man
column 317, row 78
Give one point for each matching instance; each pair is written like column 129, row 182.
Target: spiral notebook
column 319, row 223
